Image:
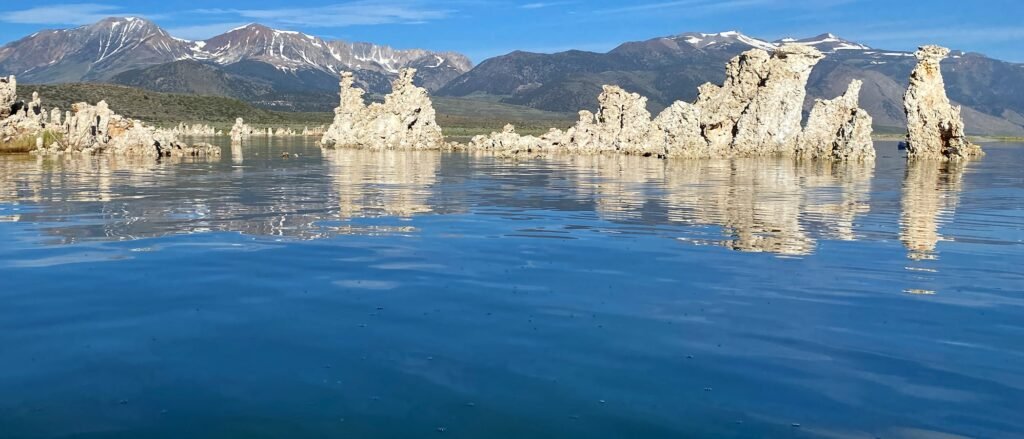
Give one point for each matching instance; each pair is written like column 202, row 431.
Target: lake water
column 421, row 294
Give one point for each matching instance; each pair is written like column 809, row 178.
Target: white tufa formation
column 935, row 129
column 87, row 129
column 757, row 111
column 240, row 131
column 838, row 129
column 8, row 96
column 405, row 120
column 95, row 129
column 195, row 130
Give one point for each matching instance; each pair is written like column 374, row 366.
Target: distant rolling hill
column 671, row 68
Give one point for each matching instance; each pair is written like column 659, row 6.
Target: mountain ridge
column 114, row 45
column 671, row 68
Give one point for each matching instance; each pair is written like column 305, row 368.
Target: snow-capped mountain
column 703, row 41
column 296, row 50
column 826, row 43
column 90, row 52
column 100, row 51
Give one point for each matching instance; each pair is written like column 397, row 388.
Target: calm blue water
column 417, row 294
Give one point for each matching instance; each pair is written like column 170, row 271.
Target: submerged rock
column 405, row 120
column 935, row 128
column 838, row 128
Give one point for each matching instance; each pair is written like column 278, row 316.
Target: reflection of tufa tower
column 382, row 183
column 764, row 204
column 931, row 192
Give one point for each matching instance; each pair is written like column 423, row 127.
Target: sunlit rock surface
column 838, row 128
column 240, row 131
column 87, row 129
column 8, row 95
column 770, row 121
column 96, row 129
column 935, row 128
column 405, row 120
column 757, row 111
column 198, row 130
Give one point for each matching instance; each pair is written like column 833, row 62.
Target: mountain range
column 671, row 68
column 290, row 70
column 256, row 63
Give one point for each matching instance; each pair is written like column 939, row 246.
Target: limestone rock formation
column 838, row 128
column 197, row 130
column 315, row 131
column 678, row 127
column 509, row 143
column 240, row 130
column 935, row 128
column 96, row 129
column 20, row 123
column 405, row 120
column 621, row 124
column 757, row 111
column 285, row 132
column 8, row 96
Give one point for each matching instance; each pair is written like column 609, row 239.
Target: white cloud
column 71, row 13
column 541, row 5
column 361, row 12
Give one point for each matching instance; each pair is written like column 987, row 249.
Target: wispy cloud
column 362, row 12
column 542, row 5
column 660, row 6
column 704, row 6
column 68, row 13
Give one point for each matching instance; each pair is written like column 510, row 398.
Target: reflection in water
column 237, row 156
column 779, row 206
column 931, row 192
column 764, row 205
column 457, row 272
column 382, row 183
column 42, row 179
column 121, row 198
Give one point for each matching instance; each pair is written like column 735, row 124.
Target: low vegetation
column 461, row 118
column 167, row 109
column 26, row 144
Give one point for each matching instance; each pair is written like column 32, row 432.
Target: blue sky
column 484, row 28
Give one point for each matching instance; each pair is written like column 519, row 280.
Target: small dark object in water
column 902, row 146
